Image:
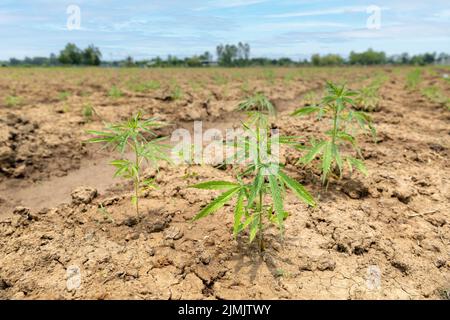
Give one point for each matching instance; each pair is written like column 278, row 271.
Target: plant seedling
column 115, row 92
column 262, row 177
column 12, row 101
column 64, row 95
column 413, row 79
column 367, row 99
column 337, row 102
column 88, row 111
column 269, row 75
column 220, row 79
column 134, row 135
column 259, row 108
column 434, row 94
column 146, row 86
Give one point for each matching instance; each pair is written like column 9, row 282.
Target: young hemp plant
column 259, row 189
column 135, row 135
column 337, row 102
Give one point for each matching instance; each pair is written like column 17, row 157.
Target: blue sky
column 273, row 28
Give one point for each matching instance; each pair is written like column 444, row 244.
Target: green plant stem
column 137, row 179
column 260, row 204
column 261, row 235
column 333, row 138
column 335, row 125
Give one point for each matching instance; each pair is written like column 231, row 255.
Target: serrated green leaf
column 255, row 188
column 254, row 228
column 313, row 152
column 358, row 164
column 297, row 188
column 277, row 199
column 345, row 137
column 215, row 185
column 338, row 158
column 217, row 203
column 238, row 213
column 305, row 111
column 327, row 159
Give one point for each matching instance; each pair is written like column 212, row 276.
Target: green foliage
column 259, row 103
column 259, row 190
column 413, row 79
column 63, row 95
column 368, row 97
column 434, row 94
column 220, row 79
column 338, row 103
column 176, row 93
column 72, row 55
column 289, row 77
column 245, row 87
column 92, row 56
column 135, row 135
column 270, row 76
column 233, row 55
column 115, row 92
column 369, row 57
column 146, row 86
column 13, row 101
column 88, row 111
column 327, row 60
column 311, row 98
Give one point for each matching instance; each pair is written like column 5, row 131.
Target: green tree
column 315, row 59
column 92, row 56
column 232, row 55
column 369, row 57
column 70, row 55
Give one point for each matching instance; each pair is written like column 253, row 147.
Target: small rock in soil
column 157, row 226
column 23, row 212
column 403, row 193
column 326, row 263
column 205, row 258
column 19, row 172
column 6, row 154
column 355, row 189
column 110, row 201
column 130, row 222
column 83, row 195
column 305, row 264
column 173, row 233
column 401, row 266
column 436, row 147
column 440, row 263
column 3, row 284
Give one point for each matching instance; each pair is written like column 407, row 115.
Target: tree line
column 70, row 55
column 227, row 55
column 371, row 57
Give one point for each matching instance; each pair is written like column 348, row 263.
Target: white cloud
column 292, row 26
column 332, row 11
column 229, row 4
column 443, row 14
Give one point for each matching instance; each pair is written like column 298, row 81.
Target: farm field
column 381, row 236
